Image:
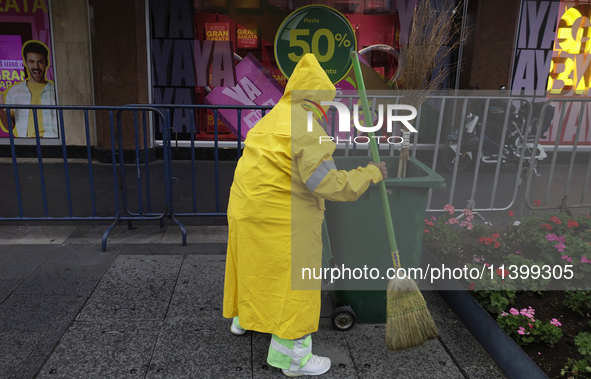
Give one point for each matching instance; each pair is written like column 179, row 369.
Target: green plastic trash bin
column 358, row 238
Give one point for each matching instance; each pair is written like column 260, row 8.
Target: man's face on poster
column 36, row 64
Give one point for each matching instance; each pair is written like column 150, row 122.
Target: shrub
column 525, row 329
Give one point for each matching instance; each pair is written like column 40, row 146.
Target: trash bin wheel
column 343, row 318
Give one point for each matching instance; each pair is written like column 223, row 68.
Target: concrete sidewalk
column 151, row 309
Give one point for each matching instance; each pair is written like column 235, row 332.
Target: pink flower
column 555, row 220
column 585, row 260
column 560, row 247
column 528, row 312
column 518, row 252
column 504, row 314
column 453, row 221
column 468, row 214
column 567, row 258
column 433, row 218
column 514, row 311
column 550, row 237
column 466, row 224
column 426, row 231
column 522, row 330
column 561, row 239
column 486, row 264
column 555, row 322
column 449, row 208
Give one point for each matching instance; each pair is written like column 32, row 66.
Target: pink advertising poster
column 255, row 87
column 26, row 67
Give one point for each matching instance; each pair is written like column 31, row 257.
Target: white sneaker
column 315, row 366
column 237, row 330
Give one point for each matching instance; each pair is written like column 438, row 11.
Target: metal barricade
column 447, row 120
column 477, row 179
column 129, row 187
column 562, row 204
column 193, row 109
column 519, row 132
column 98, row 209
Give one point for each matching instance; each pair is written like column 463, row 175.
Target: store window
column 221, row 52
column 26, row 68
column 551, row 60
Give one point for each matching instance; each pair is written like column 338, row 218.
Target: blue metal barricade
column 120, row 210
column 568, row 191
column 167, row 109
column 140, row 193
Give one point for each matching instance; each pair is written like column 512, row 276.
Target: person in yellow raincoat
column 275, row 215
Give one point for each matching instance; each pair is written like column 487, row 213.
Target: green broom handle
column 376, row 158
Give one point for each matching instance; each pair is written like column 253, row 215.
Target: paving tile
column 87, row 235
column 439, row 310
column 197, row 234
column 202, row 248
column 464, row 347
column 327, row 342
column 151, row 249
column 55, row 279
column 116, row 349
column 175, row 249
column 484, row 373
column 15, row 347
column 372, row 359
column 42, row 250
column 135, row 287
column 199, row 291
column 200, row 348
column 34, row 235
column 119, row 235
column 7, row 287
column 50, row 339
column 81, row 254
column 21, row 264
column 32, row 313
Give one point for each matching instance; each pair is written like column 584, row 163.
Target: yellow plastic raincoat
column 276, row 210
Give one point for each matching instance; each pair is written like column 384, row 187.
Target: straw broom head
column 409, row 322
column 434, row 36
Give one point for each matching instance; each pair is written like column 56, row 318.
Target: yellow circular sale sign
column 320, row 30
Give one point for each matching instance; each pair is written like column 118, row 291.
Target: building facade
column 107, row 52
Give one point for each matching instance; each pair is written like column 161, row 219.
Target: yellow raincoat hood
column 310, row 80
column 276, row 209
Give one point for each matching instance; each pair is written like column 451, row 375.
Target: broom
column 409, row 322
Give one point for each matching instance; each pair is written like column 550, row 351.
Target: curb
column 508, row 356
